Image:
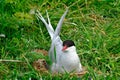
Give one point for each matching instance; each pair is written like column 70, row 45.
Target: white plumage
column 67, row 60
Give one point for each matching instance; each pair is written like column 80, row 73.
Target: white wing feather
column 56, row 41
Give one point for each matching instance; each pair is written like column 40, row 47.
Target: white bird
column 66, row 58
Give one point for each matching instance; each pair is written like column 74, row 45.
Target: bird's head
column 67, row 45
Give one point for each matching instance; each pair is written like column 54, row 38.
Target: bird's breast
column 69, row 59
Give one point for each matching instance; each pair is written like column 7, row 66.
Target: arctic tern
column 66, row 58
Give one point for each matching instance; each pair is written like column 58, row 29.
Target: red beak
column 64, row 48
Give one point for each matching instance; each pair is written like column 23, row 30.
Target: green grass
column 93, row 25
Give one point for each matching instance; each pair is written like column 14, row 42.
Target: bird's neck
column 71, row 50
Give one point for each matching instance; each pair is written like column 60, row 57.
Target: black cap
column 68, row 43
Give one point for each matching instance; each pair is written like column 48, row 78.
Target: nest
column 41, row 65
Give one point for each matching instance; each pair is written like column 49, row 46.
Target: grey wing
column 56, row 41
column 56, row 46
column 48, row 25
